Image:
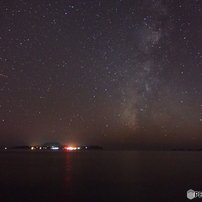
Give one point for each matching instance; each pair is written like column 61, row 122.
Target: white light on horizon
column 54, row 148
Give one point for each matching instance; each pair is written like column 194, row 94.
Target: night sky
column 118, row 73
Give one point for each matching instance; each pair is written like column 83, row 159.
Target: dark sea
column 99, row 175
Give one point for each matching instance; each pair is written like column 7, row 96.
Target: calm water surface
column 99, row 175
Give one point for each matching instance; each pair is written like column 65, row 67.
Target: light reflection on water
column 68, row 174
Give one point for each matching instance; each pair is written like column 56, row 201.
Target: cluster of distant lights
column 57, row 148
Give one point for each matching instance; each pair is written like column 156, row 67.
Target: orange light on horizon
column 70, row 148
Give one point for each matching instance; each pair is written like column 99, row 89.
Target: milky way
column 118, row 74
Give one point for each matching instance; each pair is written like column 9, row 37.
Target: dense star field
column 119, row 73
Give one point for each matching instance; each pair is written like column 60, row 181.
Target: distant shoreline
column 54, row 147
column 19, row 148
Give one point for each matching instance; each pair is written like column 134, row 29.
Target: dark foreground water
column 99, row 175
